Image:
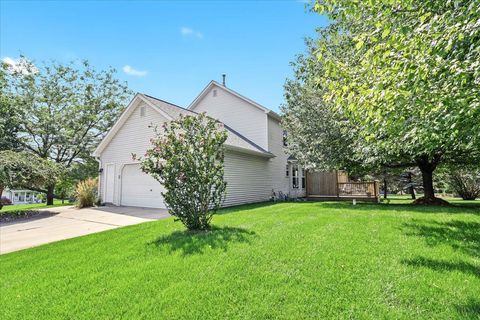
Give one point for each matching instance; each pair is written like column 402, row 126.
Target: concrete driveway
column 70, row 223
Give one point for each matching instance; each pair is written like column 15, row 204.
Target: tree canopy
column 66, row 109
column 406, row 77
column 9, row 115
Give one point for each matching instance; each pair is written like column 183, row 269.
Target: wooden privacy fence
column 328, row 184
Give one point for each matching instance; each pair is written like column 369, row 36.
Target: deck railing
column 363, row 189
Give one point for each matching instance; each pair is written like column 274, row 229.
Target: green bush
column 42, row 197
column 466, row 183
column 86, row 193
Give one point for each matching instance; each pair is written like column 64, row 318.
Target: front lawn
column 406, row 199
column 287, row 260
column 31, row 206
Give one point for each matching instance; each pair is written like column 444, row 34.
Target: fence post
column 336, row 179
column 376, row 189
column 307, row 188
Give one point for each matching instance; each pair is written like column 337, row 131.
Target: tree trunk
column 427, row 180
column 385, row 188
column 412, row 193
column 1, row 192
column 411, row 189
column 427, row 167
column 50, row 190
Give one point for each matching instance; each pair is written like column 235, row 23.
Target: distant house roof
column 235, row 140
column 213, row 83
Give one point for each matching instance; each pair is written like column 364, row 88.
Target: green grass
column 282, row 261
column 15, row 207
column 406, row 199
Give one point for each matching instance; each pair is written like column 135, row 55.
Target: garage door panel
column 140, row 189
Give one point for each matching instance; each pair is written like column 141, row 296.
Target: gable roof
column 170, row 111
column 214, row 83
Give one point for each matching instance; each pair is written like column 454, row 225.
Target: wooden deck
column 340, row 198
column 334, row 185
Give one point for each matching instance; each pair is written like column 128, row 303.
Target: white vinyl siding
column 247, row 179
column 250, row 178
column 277, row 165
column 133, row 137
column 240, row 115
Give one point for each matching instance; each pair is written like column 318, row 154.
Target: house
column 256, row 166
column 21, row 196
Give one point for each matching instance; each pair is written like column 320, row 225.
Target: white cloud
column 186, row 31
column 21, row 65
column 134, row 72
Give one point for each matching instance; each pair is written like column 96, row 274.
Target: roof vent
column 214, row 92
column 142, row 111
column 223, row 81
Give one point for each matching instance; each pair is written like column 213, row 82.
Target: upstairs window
column 295, row 176
column 287, row 172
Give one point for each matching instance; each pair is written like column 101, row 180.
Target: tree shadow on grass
column 460, row 235
column 196, row 242
column 443, row 266
column 365, row 206
column 250, row 206
column 470, row 310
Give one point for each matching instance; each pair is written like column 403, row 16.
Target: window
column 303, row 178
column 287, row 172
column 20, row 197
column 295, row 176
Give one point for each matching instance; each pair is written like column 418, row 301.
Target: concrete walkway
column 70, row 223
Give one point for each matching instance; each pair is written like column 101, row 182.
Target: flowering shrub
column 187, row 157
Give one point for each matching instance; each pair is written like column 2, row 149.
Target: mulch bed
column 10, row 216
column 432, row 202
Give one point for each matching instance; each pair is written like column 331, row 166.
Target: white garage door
column 140, row 189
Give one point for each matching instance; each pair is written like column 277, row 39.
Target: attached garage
column 140, row 189
column 248, row 169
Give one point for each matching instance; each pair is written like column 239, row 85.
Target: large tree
column 406, row 75
column 66, row 109
column 317, row 136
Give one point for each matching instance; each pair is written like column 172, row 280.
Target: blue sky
column 169, row 49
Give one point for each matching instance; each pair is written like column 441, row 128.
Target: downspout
column 100, row 171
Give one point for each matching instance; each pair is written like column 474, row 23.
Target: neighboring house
column 256, row 166
column 21, row 196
